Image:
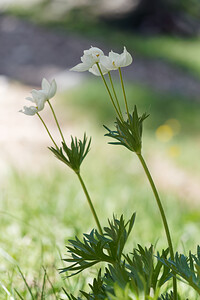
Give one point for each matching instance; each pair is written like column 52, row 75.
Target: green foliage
column 142, row 261
column 92, row 250
column 125, row 276
column 73, row 157
column 167, row 296
column 38, row 290
column 187, row 267
column 129, row 133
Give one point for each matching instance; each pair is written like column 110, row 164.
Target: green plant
column 127, row 276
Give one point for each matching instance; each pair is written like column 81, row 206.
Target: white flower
column 40, row 97
column 49, row 89
column 95, row 70
column 30, row 111
column 89, row 58
column 114, row 60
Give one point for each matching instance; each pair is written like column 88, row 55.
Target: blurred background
column 41, row 203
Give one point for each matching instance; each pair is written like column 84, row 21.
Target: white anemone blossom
column 48, row 89
column 40, row 97
column 89, row 59
column 95, row 70
column 114, row 60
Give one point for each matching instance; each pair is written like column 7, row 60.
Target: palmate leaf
column 74, row 156
column 167, row 296
column 118, row 233
column 95, row 248
column 137, row 273
column 86, row 253
column 128, row 133
column 187, row 267
column 97, row 289
column 145, row 273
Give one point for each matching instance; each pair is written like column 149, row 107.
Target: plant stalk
column 124, row 93
column 56, row 121
column 90, row 203
column 113, row 88
column 108, row 90
column 47, row 130
column 166, row 227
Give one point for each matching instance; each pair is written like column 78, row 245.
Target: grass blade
column 24, row 279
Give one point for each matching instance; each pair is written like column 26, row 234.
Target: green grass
column 180, row 52
column 41, row 211
column 91, row 100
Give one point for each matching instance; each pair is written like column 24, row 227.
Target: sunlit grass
column 41, row 211
column 177, row 114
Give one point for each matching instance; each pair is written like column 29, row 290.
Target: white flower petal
column 82, row 67
column 113, row 55
column 45, row 84
column 114, row 60
column 107, row 63
column 29, row 111
column 125, row 59
column 40, row 97
column 93, row 51
column 128, row 57
column 89, row 58
column 95, row 70
column 36, row 95
column 52, row 89
column 40, row 104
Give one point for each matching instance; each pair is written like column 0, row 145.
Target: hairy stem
column 90, row 203
column 166, row 227
column 47, row 130
column 56, row 121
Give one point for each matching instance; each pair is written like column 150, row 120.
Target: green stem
column 108, row 90
column 56, row 121
column 90, row 203
column 115, row 95
column 123, row 89
column 162, row 216
column 47, row 130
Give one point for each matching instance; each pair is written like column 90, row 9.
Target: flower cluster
column 39, row 97
column 94, row 61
